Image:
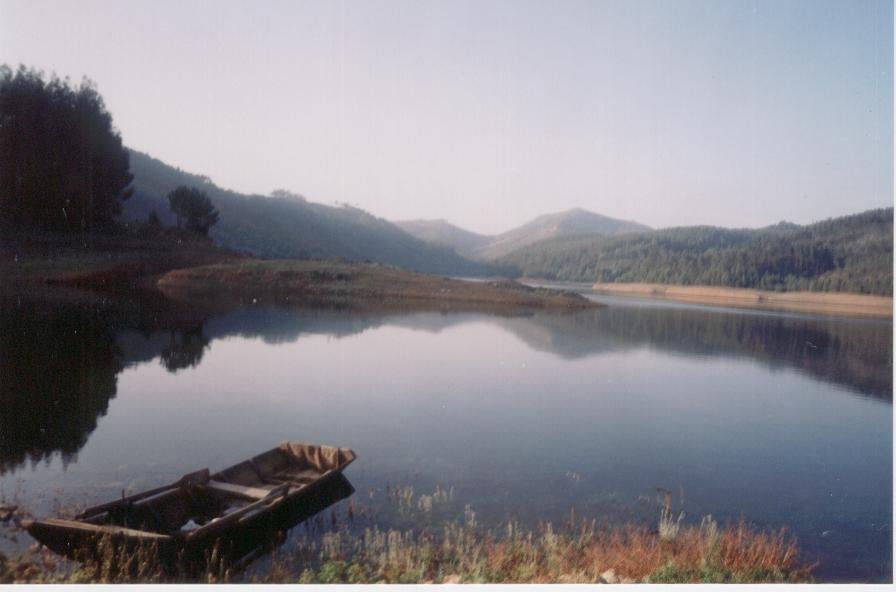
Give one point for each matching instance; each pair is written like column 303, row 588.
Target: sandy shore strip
column 830, row 303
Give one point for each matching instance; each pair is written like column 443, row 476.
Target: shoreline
column 827, row 303
column 358, row 545
column 185, row 268
column 297, row 281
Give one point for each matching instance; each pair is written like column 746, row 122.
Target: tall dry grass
column 458, row 550
column 461, row 551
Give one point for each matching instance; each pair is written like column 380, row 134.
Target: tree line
column 63, row 166
column 848, row 254
column 98, row 185
column 286, row 225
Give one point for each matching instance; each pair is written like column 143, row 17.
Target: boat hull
column 275, row 507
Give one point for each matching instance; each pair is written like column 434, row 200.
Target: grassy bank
column 431, row 538
column 191, row 269
column 463, row 552
column 857, row 305
column 327, row 281
column 123, row 260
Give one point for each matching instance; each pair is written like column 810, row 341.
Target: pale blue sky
column 488, row 113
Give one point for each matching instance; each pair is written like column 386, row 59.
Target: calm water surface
column 782, row 419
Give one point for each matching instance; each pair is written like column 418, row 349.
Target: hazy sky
column 488, row 113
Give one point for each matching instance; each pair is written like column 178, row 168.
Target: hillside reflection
column 57, row 373
column 854, row 354
column 59, row 364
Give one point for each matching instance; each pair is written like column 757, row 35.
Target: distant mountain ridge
column 572, row 222
column 847, row 254
column 562, row 224
column 288, row 226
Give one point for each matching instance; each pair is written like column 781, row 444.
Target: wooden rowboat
column 268, row 492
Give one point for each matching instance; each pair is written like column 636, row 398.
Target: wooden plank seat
column 254, row 493
column 286, row 475
column 299, row 478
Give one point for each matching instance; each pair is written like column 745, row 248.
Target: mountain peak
column 557, row 224
column 566, row 223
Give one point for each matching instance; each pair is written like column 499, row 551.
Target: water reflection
column 504, row 407
column 855, row 354
column 59, row 367
column 60, row 364
column 184, row 349
column 58, row 371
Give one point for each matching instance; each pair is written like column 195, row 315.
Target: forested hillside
column 848, row 254
column 288, row 226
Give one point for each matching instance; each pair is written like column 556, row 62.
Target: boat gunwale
column 109, row 529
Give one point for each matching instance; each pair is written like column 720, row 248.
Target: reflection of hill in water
column 854, row 354
column 59, row 366
column 57, row 373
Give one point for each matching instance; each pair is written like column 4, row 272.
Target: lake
column 783, row 419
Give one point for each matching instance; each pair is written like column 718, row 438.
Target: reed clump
column 450, row 546
column 461, row 551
